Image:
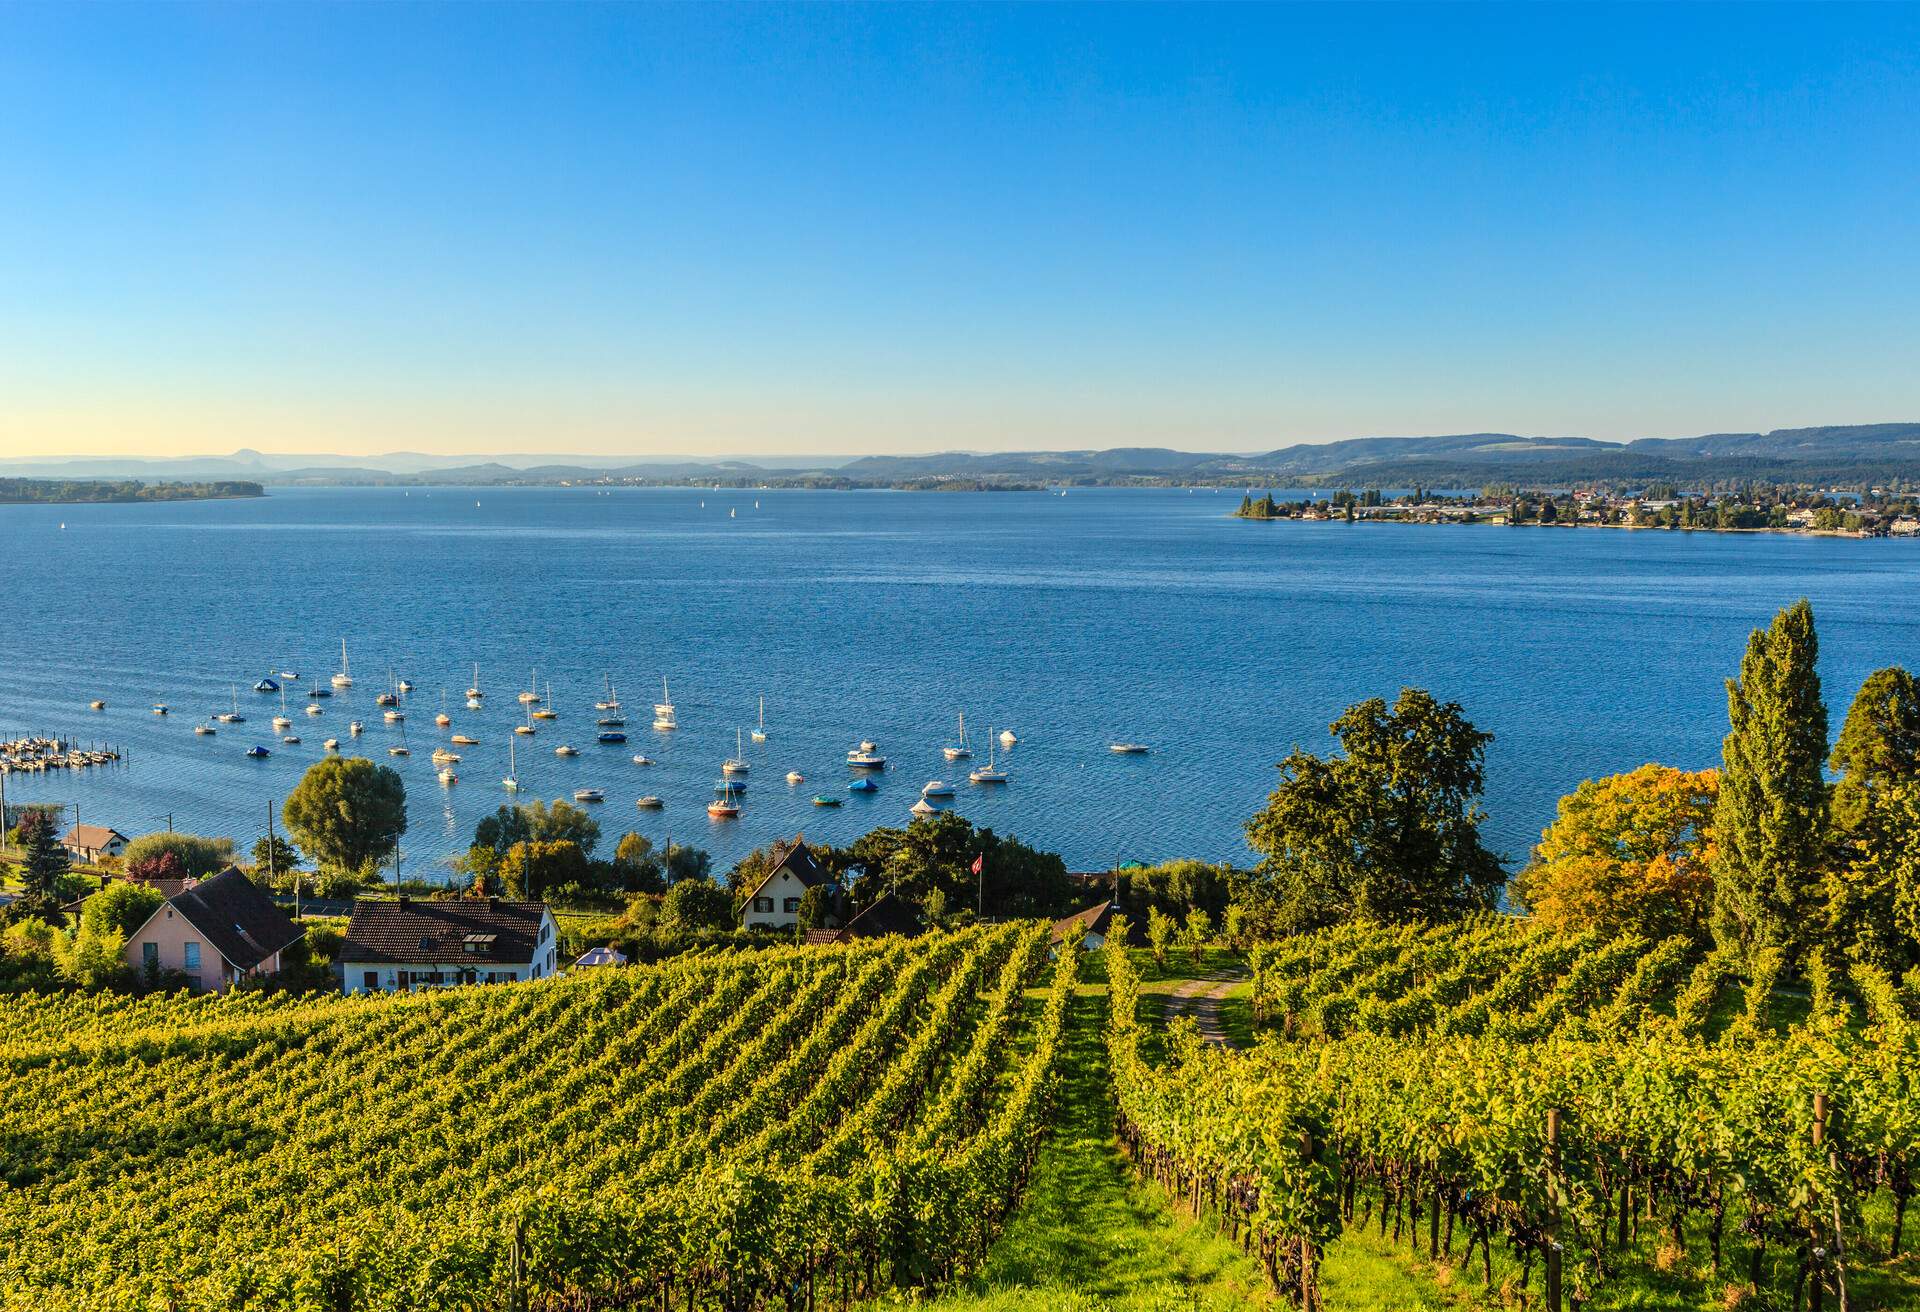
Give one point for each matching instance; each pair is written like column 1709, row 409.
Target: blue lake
column 1148, row 616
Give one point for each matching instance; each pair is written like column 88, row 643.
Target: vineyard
column 798, row 1127
column 1583, row 1112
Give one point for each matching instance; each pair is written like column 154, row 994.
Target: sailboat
column 737, row 763
column 512, row 782
column 663, row 717
column 528, row 726
column 343, row 679
column 546, row 711
column 987, row 774
column 760, row 733
column 443, row 719
column 281, row 721
column 532, row 694
column 959, row 751
column 473, row 692
column 612, row 703
column 724, row 807
column 233, row 716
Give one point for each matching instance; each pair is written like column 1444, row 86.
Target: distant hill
column 1857, row 453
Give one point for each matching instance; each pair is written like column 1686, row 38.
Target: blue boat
column 319, row 692
column 726, row 786
column 266, row 685
column 863, row 785
column 824, row 800
column 258, row 753
column 613, row 737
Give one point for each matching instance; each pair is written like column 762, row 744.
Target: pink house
column 216, row 932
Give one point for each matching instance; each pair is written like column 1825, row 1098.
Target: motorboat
column 474, row 703
column 331, row 744
column 612, row 722
column 447, row 776
column 935, row 788
column 291, row 739
column 355, row 728
column 649, row 803
column 737, row 763
column 861, row 758
column 394, row 717
column 387, row 699
column 642, row 760
column 318, row 693
column 399, row 749
column 160, row 708
column 1127, row 749
column 795, row 777
column 612, row 736
column 461, row 740
column 729, row 785
column 822, row 799
column 313, row 708
column 863, row 785
column 204, row 729
column 924, row 807
column 960, row 749
column 564, row 750
column 1007, row 738
column 442, row 755
column 289, row 676
column 588, row 795
column 405, row 685
column 258, row 752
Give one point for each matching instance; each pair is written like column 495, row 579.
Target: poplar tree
column 1879, row 745
column 1770, row 823
column 1870, row 892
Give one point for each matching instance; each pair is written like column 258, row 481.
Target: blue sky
column 843, row 229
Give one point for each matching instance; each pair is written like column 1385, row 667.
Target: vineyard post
column 1553, row 1209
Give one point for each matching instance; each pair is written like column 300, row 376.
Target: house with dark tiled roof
column 407, row 943
column 889, row 914
column 774, row 902
column 217, row 932
column 1093, row 923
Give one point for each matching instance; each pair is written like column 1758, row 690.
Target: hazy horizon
column 664, row 232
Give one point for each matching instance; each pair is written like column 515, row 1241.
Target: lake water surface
column 1079, row 620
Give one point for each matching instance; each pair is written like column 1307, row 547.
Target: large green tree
column 930, row 863
column 1388, row 830
column 347, row 812
column 1879, row 745
column 44, row 864
column 1770, row 822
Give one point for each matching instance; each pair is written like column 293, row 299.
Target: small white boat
column 663, row 716
column 868, row 745
column 405, row 685
column 474, row 703
column 924, row 807
column 795, row 777
column 866, row 757
column 643, row 760
column 1007, row 738
column 447, row 776
column 282, row 722
column 387, row 699
column 988, row 774
column 588, row 795
column 160, row 708
column 394, row 717
column 313, row 708
column 291, row 676
column 442, row 755
column 96, row 705
column 960, row 750
column 1127, row 749
column 290, row 739
column 564, row 750
column 760, row 732
column 399, row 749
column 354, row 727
column 937, row 788
column 331, row 744
column 343, row 679
column 736, row 764
column 461, row 740
column 204, row 729
column 649, row 803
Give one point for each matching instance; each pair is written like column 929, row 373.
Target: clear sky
column 764, row 230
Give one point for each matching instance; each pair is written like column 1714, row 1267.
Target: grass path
column 1089, row 1238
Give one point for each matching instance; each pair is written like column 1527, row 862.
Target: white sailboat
column 960, row 750
column 280, row 721
column 737, row 763
column 663, row 717
column 343, row 679
column 473, row 692
column 512, row 782
column 532, row 694
column 760, row 733
column 988, row 774
column 546, row 711
column 443, row 719
column 611, row 702
column 526, row 728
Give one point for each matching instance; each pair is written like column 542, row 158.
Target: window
column 371, row 980
column 150, row 955
column 192, row 957
column 763, row 904
column 791, row 905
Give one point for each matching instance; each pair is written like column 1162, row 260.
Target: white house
column 774, row 903
column 91, row 842
column 409, row 944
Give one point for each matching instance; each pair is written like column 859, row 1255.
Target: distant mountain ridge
column 1888, row 451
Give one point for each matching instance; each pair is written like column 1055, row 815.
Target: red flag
column 980, row 863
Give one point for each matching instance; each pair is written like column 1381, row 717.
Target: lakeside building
column 217, row 932
column 406, row 944
column 774, row 902
column 91, row 842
